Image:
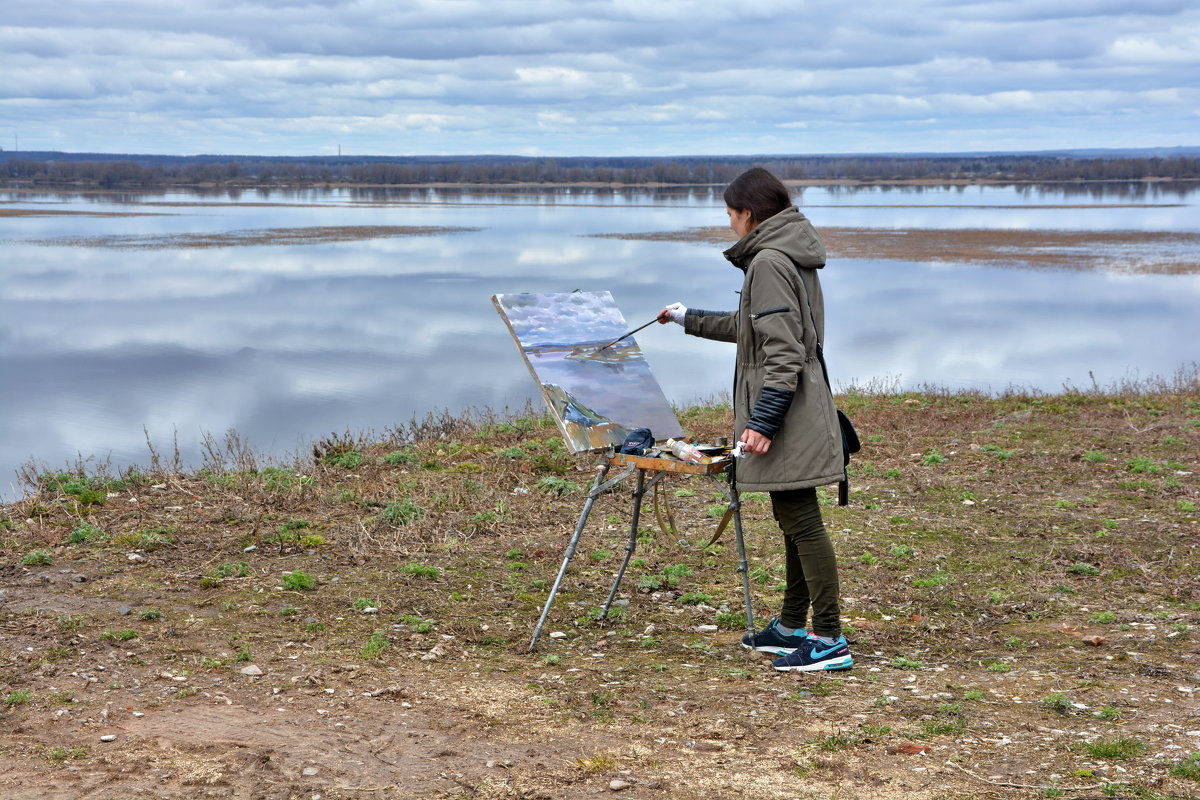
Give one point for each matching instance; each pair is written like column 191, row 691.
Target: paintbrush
column 625, row 336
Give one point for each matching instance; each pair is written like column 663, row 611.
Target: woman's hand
column 755, row 442
column 672, row 313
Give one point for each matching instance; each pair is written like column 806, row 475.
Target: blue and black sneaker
column 771, row 640
column 815, row 655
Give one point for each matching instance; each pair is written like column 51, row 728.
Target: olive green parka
column 778, row 325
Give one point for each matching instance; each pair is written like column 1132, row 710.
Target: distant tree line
column 158, row 171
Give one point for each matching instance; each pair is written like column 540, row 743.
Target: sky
column 597, row 77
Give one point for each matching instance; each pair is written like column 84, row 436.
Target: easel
column 660, row 467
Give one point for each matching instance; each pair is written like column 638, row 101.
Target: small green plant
column 1083, row 568
column 150, row 614
column 299, row 581
column 398, row 457
column 998, row 666
column 550, row 660
column 86, row 534
column 186, row 692
column 1108, row 713
column 157, row 538
column 936, row 581
column 1064, row 504
column 973, row 694
column 375, row 645
column 1186, row 506
column 1120, row 747
column 835, row 741
column 901, row 551
column 1104, row 617
column 950, row 708
column 289, row 611
column 118, row 636
column 932, row 456
column 421, row 570
column 600, row 555
column 402, row 513
column 868, row 559
column 363, row 603
column 695, row 598
column 18, row 698
column 901, row 662
column 350, row 459
column 283, row 481
column 1058, row 703
column 65, row 753
column 1143, row 464
column 68, row 622
column 1188, row 768
column 1094, row 457
column 554, row 485
column 238, row 569
column 37, row 558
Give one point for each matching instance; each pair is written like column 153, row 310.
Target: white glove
column 674, row 312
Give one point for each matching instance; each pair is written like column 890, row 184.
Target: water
column 101, row 347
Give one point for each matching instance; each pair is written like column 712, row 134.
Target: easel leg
column 638, row 493
column 562, row 570
column 743, row 566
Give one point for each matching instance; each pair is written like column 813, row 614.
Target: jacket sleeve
column 718, row 325
column 777, row 319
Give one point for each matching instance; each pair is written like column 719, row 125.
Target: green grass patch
column 1122, row 747
column 299, row 581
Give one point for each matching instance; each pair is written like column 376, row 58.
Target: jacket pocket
column 769, row 311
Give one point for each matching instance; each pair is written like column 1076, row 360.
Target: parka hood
column 789, row 232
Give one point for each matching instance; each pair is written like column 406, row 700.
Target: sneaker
column 814, row 655
column 770, row 640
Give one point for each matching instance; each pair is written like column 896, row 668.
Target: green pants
column 812, row 575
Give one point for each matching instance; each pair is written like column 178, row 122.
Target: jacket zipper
column 769, row 311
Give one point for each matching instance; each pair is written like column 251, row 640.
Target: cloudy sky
column 597, row 77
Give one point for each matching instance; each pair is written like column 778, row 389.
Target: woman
column 783, row 409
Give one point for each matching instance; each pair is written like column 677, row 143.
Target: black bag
column 850, row 444
column 637, row 442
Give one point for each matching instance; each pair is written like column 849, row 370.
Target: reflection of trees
column 249, row 171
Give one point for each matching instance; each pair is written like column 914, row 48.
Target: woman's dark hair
column 758, row 191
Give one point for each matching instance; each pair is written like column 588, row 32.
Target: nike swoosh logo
column 819, row 654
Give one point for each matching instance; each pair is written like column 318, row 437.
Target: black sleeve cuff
column 770, row 410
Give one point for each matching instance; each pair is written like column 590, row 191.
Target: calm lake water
column 100, row 345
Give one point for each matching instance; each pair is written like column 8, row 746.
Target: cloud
column 594, row 77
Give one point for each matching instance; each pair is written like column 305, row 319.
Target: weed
column 402, row 512
column 1104, row 617
column 1082, row 568
column 998, row 666
column 299, row 581
column 398, row 457
column 950, row 708
column 64, row 753
column 18, row 698
column 283, row 481
column 868, row 559
column 347, row 460
column 87, row 534
column 238, row 569
column 932, row 456
column 363, row 603
column 1058, row 703
column 118, row 636
column 731, row 620
column 901, row 551
column 1186, row 506
column 685, row 492
column 150, row 614
column 550, row 660
column 1094, row 457
column 695, row 598
column 186, row 692
column 374, row 646
column 421, row 570
column 1108, row 713
column 70, row 623
column 600, row 555
column 973, row 694
column 900, row 662
column 716, row 510
column 289, row 611
column 37, row 558
column 600, row 762
column 1188, row 768
column 938, row 580
column 835, row 741
column 1120, row 747
column 554, row 485
column 1143, row 464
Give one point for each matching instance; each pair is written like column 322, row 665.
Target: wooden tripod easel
column 660, row 468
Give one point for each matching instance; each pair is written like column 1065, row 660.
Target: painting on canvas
column 596, row 395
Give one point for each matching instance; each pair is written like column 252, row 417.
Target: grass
column 975, row 607
column 1120, row 748
column 1188, row 768
column 37, row 558
column 299, row 581
column 18, row 697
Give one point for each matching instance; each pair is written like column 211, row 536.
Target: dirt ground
column 1020, row 582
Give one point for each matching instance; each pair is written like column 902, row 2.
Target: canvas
column 596, row 396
